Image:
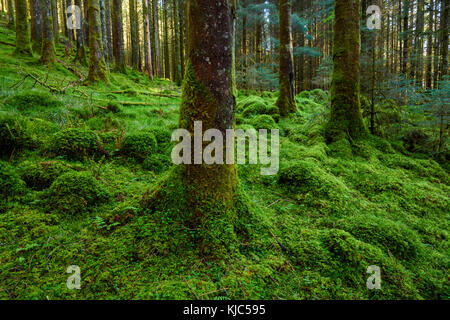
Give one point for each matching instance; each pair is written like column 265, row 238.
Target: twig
column 191, row 289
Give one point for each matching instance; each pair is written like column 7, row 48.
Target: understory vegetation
column 77, row 167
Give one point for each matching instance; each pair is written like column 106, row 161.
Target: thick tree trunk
column 48, row 56
column 23, row 45
column 286, row 102
column 204, row 194
column 36, row 25
column 345, row 119
column 97, row 65
column 117, row 26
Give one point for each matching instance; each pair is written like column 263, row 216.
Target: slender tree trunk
column 48, row 56
column 166, row 43
column 429, row 68
column 157, row 46
column 117, row 25
column 23, row 45
column 70, row 32
column 109, row 30
column 103, row 29
column 55, row 20
column 181, row 38
column 286, row 102
column 345, row 119
column 147, row 40
column 419, row 42
column 445, row 12
column 86, row 22
column 11, row 18
column 175, row 42
column 133, row 30
column 36, row 25
column 81, row 43
column 97, row 65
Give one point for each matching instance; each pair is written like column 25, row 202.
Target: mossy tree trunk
column 97, row 65
column 11, row 19
column 286, row 102
column 55, row 20
column 201, row 196
column 134, row 35
column 117, row 26
column 81, row 44
column 48, row 55
column 345, row 119
column 23, row 37
column 109, row 30
column 36, row 25
column 147, row 40
column 103, row 28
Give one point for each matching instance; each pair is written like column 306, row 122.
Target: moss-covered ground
column 76, row 167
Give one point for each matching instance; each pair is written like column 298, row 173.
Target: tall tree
column 81, row 43
column 55, row 20
column 117, row 27
column 11, row 19
column 175, row 43
column 205, row 193
column 147, row 40
column 109, row 29
column 134, row 34
column 156, row 37
column 36, row 25
column 345, row 119
column 97, row 65
column 286, row 102
column 166, row 40
column 23, row 44
column 103, row 29
column 445, row 12
column 48, row 56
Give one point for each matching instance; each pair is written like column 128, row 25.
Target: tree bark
column 156, row 37
column 147, row 41
column 97, row 65
column 48, row 56
column 117, row 26
column 23, row 45
column 36, row 25
column 445, row 12
column 134, row 36
column 54, row 4
column 11, row 18
column 345, row 119
column 286, row 102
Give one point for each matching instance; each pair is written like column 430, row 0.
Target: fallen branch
column 146, row 93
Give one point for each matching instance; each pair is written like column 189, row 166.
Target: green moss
column 75, row 192
column 24, row 101
column 75, row 143
column 14, row 134
column 139, row 145
column 10, row 182
column 264, row 122
column 40, row 175
column 255, row 103
column 157, row 163
column 340, row 148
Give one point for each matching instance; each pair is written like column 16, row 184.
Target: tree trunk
column 175, row 42
column 204, row 193
column 108, row 30
column 445, row 12
column 11, row 19
column 81, row 43
column 181, row 38
column 147, row 40
column 54, row 4
column 117, row 26
column 134, row 39
column 429, row 68
column 156, row 37
column 166, row 43
column 36, row 25
column 286, row 102
column 97, row 65
column 103, row 29
column 48, row 56
column 23, row 45
column 345, row 119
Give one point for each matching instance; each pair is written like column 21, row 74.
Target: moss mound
column 139, row 145
column 264, row 122
column 40, row 175
column 74, row 192
column 14, row 134
column 157, row 163
column 10, row 182
column 75, row 143
column 33, row 99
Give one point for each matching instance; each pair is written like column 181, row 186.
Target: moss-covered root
column 286, row 102
column 97, row 65
column 23, row 40
column 48, row 56
column 346, row 119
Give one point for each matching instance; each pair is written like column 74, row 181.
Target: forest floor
column 76, row 165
